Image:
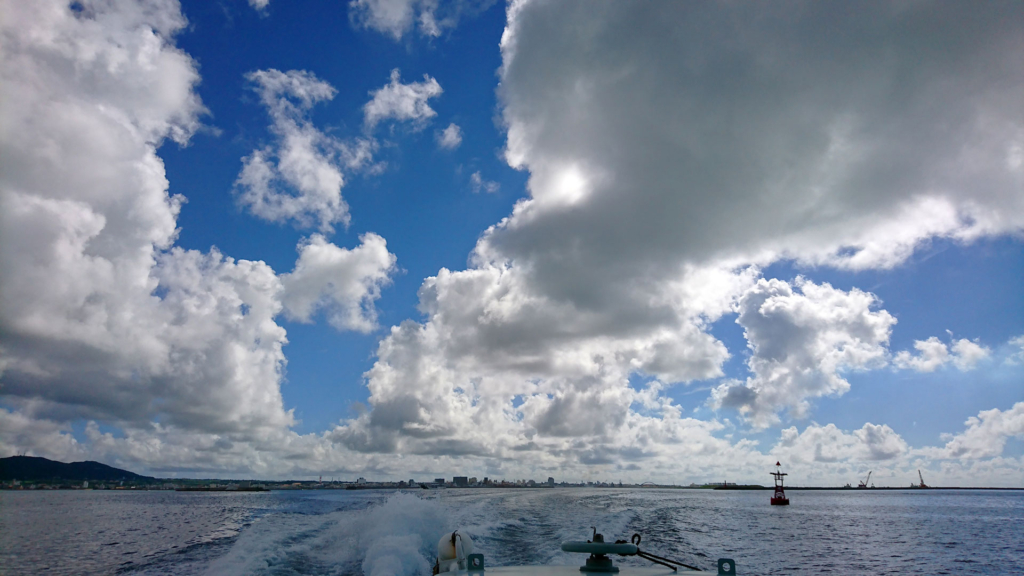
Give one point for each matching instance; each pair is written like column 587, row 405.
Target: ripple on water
column 338, row 532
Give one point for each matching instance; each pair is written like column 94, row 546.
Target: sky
column 642, row 242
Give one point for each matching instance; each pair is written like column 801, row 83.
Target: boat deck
column 573, row 570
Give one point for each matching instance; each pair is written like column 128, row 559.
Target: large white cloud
column 830, row 444
column 802, row 340
column 102, row 317
column 673, row 148
column 21, row 434
column 343, row 282
column 500, row 368
column 669, row 133
column 986, row 434
column 88, row 97
column 827, row 455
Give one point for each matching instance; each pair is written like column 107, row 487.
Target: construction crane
column 922, row 485
column 864, row 484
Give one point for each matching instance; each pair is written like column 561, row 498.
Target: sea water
column 380, row 533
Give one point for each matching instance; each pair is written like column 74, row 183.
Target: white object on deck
column 452, row 550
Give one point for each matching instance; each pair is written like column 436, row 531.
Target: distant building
column 461, row 481
column 439, row 481
column 412, row 482
column 551, row 481
column 361, row 480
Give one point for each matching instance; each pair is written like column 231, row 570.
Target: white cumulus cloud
column 298, row 178
column 694, row 132
column 829, row 444
column 103, row 318
column 345, row 283
column 402, row 102
column 450, row 137
column 803, row 337
column 933, row 353
column 967, row 354
column 451, row 384
column 986, row 434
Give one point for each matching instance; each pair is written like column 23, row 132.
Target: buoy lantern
column 779, row 498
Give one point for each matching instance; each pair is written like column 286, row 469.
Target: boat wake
column 391, row 538
column 397, row 534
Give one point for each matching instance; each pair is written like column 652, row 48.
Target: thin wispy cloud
column 478, row 184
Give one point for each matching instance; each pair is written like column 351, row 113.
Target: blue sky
column 655, row 247
column 423, row 204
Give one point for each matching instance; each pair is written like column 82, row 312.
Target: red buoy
column 779, row 499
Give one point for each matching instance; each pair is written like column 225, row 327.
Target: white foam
column 398, row 537
column 394, row 538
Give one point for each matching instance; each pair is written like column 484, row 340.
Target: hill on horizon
column 33, row 468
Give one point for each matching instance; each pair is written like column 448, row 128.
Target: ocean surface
column 381, row 533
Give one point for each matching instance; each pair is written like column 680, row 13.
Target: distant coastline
column 852, row 489
column 34, row 473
